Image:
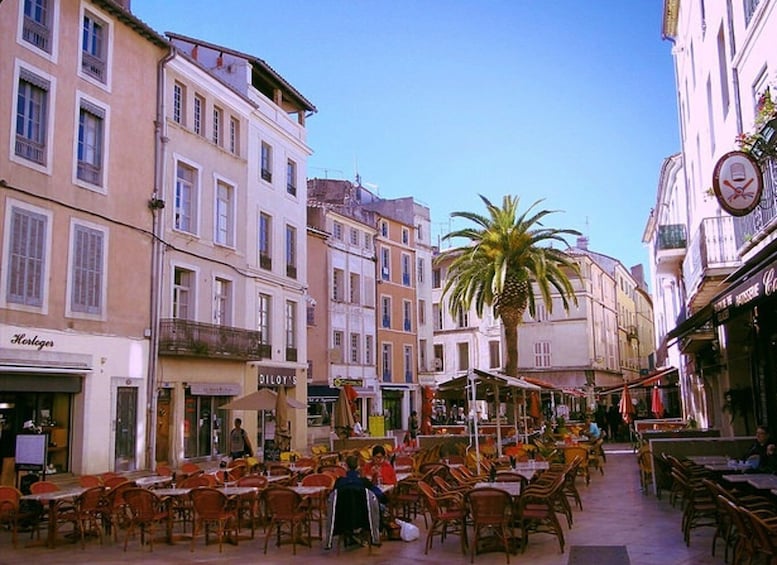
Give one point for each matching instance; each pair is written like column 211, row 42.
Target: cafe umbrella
column 656, row 403
column 343, row 415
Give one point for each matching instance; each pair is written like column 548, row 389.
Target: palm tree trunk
column 511, row 340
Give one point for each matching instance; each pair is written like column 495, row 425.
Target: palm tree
column 509, row 259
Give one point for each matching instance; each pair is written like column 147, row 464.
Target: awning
column 546, row 385
column 646, row 381
column 698, row 321
column 747, row 290
column 322, row 393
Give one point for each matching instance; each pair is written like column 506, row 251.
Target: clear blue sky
column 571, row 101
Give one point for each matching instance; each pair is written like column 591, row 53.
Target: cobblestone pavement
column 615, row 512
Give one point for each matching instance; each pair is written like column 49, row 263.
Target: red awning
column 645, row 382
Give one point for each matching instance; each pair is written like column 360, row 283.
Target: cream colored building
column 77, row 109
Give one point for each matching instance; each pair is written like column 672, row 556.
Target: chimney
column 582, row 243
column 124, row 4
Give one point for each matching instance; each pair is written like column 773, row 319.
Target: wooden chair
column 489, row 509
column 213, row 508
column 447, row 515
column 317, row 503
column 146, row 511
column 254, row 504
column 286, row 511
column 645, row 462
column 570, row 453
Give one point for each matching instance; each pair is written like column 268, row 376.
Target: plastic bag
column 408, row 531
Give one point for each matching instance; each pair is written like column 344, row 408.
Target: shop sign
column 738, row 183
column 215, row 389
column 340, row 382
column 277, row 376
column 427, row 380
column 31, row 341
column 759, row 285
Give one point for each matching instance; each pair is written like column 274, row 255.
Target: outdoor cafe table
column 739, row 478
column 726, row 467
column 528, row 468
column 708, row 459
column 153, row 481
column 513, row 488
column 54, row 500
column 762, row 481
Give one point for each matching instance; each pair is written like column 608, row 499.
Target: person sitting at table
column 763, row 450
column 379, row 469
column 354, row 479
column 591, row 429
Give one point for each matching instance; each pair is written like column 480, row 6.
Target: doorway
column 126, row 426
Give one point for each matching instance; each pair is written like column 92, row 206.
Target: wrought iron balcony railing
column 187, row 338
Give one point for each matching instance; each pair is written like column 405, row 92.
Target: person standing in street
column 413, row 428
column 239, row 444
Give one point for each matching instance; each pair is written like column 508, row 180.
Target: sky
column 570, row 102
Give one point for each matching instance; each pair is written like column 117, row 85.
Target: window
column 420, row 268
column 185, row 198
column 338, row 285
column 385, row 263
column 419, row 234
column 179, row 97
column 405, row 236
column 439, row 357
column 542, row 354
column 87, row 268
column 31, row 117
column 337, row 231
column 422, row 312
column 368, row 241
column 436, row 278
column 90, row 143
column 291, row 252
column 263, row 318
column 750, row 8
column 266, row 162
column 183, row 294
column 422, row 355
column 494, row 355
column 355, row 288
column 462, row 318
column 337, row 345
column 540, row 313
column 36, row 29
column 225, row 213
column 291, row 330
column 405, row 269
column 93, row 47
column 291, row 177
column 355, row 358
column 222, row 298
column 384, row 231
column 463, row 351
column 354, row 236
column 385, row 361
column 368, row 350
column 407, row 315
column 407, row 358
column 437, row 316
column 26, row 257
column 265, row 250
column 234, row 136
column 385, row 308
column 218, row 118
column 199, row 109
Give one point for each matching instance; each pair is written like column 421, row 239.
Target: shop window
column 204, row 431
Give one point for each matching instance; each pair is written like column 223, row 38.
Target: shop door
column 164, row 408
column 126, row 424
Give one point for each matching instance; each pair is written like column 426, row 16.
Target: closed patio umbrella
column 282, row 431
column 343, row 416
column 657, row 405
column 626, row 407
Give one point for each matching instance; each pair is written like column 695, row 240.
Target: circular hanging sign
column 738, row 183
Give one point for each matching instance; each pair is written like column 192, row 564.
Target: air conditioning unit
column 437, row 364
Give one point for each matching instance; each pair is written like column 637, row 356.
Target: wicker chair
column 213, row 507
column 87, row 513
column 254, row 504
column 489, row 509
column 317, row 504
column 286, row 511
column 335, row 470
column 146, row 511
column 9, row 509
column 537, row 511
column 448, row 515
column 115, row 513
column 89, row 481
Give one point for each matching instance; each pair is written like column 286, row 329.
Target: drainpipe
column 156, row 204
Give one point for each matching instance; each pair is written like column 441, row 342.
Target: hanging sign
column 738, row 183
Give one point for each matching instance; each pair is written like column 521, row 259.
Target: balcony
column 670, row 246
column 187, row 338
column 752, row 228
column 291, row 354
column 265, row 261
column 712, row 256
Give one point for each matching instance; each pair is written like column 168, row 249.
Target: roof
column 647, row 381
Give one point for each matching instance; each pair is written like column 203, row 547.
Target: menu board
column 31, row 452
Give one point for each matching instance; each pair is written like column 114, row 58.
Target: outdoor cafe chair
column 571, row 452
column 447, row 513
column 336, row 470
column 89, row 481
column 213, row 507
column 9, row 510
column 764, row 532
column 253, row 504
column 87, row 514
column 490, row 512
column 317, row 503
column 352, row 509
column 115, row 507
column 287, row 514
column 146, row 511
column 164, row 471
column 537, row 512
column 569, row 488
